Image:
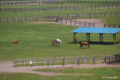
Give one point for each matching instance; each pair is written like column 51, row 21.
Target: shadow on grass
column 95, row 42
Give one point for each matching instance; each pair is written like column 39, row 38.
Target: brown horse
column 75, row 39
column 84, row 43
column 53, row 42
column 15, row 42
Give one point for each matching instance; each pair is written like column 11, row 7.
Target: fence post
column 16, row 20
column 23, row 19
column 48, row 62
column 24, row 62
column 54, row 61
column 75, row 22
column 89, row 24
column 109, row 59
column 34, row 61
column 104, row 59
column 44, row 62
column 31, row 19
column 104, row 25
column 74, row 60
column 93, row 24
column 119, row 56
column 70, row 21
column 13, row 62
column 94, row 60
column 7, row 19
column 63, row 62
column 84, row 59
column 78, row 61
column 79, row 23
column 0, row 20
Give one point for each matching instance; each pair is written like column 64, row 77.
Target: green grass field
column 36, row 41
column 70, row 74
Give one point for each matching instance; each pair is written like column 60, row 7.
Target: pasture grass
column 54, row 12
column 36, row 41
column 68, row 74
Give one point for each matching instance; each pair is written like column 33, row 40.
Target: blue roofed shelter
column 99, row 30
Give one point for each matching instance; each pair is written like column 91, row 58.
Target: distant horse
column 84, row 43
column 75, row 39
column 53, row 42
column 59, row 41
column 15, row 42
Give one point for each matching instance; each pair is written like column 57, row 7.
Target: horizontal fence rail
column 67, row 19
column 49, row 2
column 56, row 8
column 63, row 60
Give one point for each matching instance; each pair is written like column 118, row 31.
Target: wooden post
column 23, row 19
column 54, row 61
column 104, row 59
column 48, row 62
column 74, row 60
column 119, row 56
column 78, row 61
column 34, row 61
column 7, row 19
column 44, row 62
column 63, row 62
column 24, row 62
column 79, row 23
column 84, row 59
column 109, row 59
column 31, row 19
column 13, row 62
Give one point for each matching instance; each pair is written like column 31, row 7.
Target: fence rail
column 63, row 60
column 67, row 19
column 48, row 2
column 56, row 8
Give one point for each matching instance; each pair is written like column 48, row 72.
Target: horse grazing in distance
column 53, row 42
column 59, row 41
column 75, row 39
column 15, row 42
column 84, row 43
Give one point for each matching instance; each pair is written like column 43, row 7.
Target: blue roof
column 95, row 30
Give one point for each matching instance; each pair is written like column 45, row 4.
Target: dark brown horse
column 75, row 39
column 53, row 42
column 15, row 42
column 84, row 43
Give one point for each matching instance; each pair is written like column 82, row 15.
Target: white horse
column 59, row 41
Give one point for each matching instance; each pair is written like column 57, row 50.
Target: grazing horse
column 53, row 42
column 59, row 41
column 75, row 39
column 15, row 42
column 84, row 43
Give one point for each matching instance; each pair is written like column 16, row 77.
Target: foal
column 15, row 42
column 84, row 43
column 75, row 39
column 53, row 42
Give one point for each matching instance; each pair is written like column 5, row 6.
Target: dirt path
column 98, row 23
column 7, row 68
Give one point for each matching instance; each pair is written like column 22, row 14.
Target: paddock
column 98, row 30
